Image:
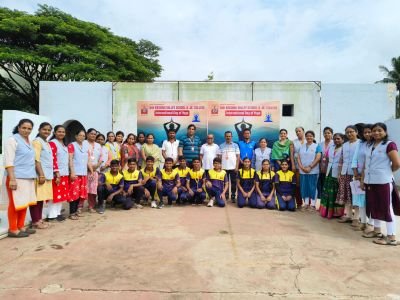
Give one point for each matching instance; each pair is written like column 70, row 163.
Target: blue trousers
column 268, row 205
column 241, row 200
column 151, row 186
column 167, row 192
column 286, row 205
column 103, row 193
column 215, row 192
column 182, row 195
column 198, row 197
column 137, row 194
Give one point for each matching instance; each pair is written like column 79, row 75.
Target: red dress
column 78, row 187
column 61, row 192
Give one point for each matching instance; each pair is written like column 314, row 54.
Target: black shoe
column 20, row 234
column 233, row 200
column 30, row 230
column 160, row 205
column 51, row 220
column 60, row 218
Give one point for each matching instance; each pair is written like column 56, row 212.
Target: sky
column 297, row 40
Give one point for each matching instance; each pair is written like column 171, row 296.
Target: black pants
column 103, row 193
column 232, row 175
column 137, row 194
column 73, row 206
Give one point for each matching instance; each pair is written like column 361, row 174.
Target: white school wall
column 90, row 103
column 106, row 105
column 304, row 95
column 345, row 104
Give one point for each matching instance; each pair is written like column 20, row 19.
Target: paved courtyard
column 198, row 253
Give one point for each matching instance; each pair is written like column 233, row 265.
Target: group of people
column 351, row 174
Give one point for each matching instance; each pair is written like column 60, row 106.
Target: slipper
column 372, row 234
column 345, row 220
column 20, row 234
column 73, row 217
column 385, row 242
column 40, row 225
column 29, row 231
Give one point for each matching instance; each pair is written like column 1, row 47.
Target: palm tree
column 392, row 76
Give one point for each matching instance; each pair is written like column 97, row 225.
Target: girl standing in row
column 151, row 149
column 261, row 153
column 346, row 176
column 95, row 160
column 281, row 150
column 78, row 152
column 113, row 147
column 45, row 163
column 357, row 164
column 61, row 188
column 106, row 156
column 129, row 151
column 323, row 164
column 19, row 162
column 382, row 199
column 297, row 143
column 308, row 160
column 329, row 208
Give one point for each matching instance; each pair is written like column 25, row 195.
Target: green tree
column 51, row 45
column 393, row 76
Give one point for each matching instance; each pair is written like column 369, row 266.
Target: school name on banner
column 262, row 118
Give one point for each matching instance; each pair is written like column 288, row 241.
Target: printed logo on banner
column 144, row 110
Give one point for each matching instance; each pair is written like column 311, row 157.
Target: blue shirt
column 246, row 149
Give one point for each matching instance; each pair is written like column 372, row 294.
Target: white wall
column 88, row 102
column 345, row 104
column 304, row 95
column 104, row 105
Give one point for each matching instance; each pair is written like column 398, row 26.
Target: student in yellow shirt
column 110, row 188
column 133, row 187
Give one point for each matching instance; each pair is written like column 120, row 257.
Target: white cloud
column 332, row 41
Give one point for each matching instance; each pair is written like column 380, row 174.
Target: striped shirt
column 190, row 147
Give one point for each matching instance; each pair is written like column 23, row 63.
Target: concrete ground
column 198, row 253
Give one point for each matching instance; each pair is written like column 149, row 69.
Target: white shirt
column 209, row 152
column 171, row 149
column 229, row 154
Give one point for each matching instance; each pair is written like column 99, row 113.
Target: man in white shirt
column 208, row 152
column 169, row 147
column 230, row 156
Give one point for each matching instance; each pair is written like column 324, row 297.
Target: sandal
column 73, row 217
column 385, row 241
column 20, row 234
column 372, row 234
column 29, row 231
column 344, row 220
column 40, row 225
column 361, row 227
